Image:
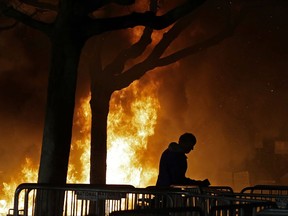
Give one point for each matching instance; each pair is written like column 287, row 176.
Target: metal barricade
column 239, row 209
column 71, row 199
column 273, row 212
column 176, row 211
column 274, row 193
column 227, row 204
column 85, row 199
column 220, row 201
column 267, row 189
column 278, row 194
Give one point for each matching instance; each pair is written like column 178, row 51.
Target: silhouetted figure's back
column 173, row 163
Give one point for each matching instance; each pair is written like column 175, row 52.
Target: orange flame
column 29, row 174
column 131, row 120
column 130, row 124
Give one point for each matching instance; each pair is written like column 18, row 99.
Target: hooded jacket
column 173, row 166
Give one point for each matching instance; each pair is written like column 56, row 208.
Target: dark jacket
column 173, row 166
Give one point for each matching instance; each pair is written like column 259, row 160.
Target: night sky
column 232, row 95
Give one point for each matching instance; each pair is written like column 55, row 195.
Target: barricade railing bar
column 33, row 199
column 222, row 203
column 273, row 212
column 179, row 211
column 275, row 193
column 267, row 189
column 245, row 209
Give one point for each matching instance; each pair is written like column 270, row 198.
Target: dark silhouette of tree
column 115, row 76
column 69, row 25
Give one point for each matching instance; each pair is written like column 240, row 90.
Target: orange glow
column 28, row 174
column 131, row 121
column 138, row 30
column 79, row 164
column 130, row 124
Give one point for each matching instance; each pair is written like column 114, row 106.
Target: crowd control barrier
column 277, row 194
column 267, row 189
column 33, row 199
column 85, row 199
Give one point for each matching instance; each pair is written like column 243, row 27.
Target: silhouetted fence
column 79, row 199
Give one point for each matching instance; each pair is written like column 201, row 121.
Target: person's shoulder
column 171, row 149
column 175, row 147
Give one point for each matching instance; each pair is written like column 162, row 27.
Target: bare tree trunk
column 100, row 109
column 59, row 116
column 54, row 160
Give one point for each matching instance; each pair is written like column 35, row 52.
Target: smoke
column 231, row 96
column 23, row 81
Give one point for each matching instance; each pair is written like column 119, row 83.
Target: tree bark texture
column 66, row 49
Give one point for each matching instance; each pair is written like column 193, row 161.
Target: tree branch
column 91, row 6
column 8, row 26
column 154, row 59
column 26, row 19
column 224, row 34
column 148, row 19
column 117, row 66
column 42, row 5
column 151, row 61
column 134, row 51
column 188, row 51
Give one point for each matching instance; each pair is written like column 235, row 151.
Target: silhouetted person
column 173, row 163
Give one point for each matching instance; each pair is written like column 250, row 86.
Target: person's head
column 187, row 141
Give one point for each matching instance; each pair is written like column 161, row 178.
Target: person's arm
column 179, row 174
column 201, row 183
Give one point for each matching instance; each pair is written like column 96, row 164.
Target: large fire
column 132, row 118
column 130, row 124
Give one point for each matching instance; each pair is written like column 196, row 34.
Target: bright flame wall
column 131, row 121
